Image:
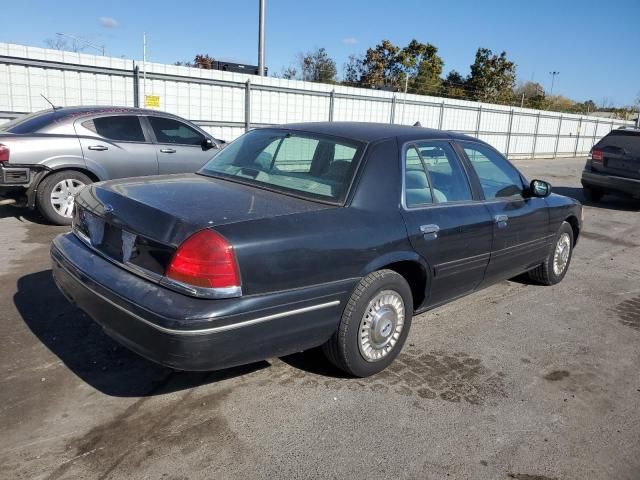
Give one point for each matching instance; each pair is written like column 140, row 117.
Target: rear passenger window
column 416, row 183
column 125, row 128
column 433, row 174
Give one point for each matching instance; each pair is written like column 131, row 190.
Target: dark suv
column 613, row 165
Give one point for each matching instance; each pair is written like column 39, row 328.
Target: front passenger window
column 168, row 130
column 497, row 176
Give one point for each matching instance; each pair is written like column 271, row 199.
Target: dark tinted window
column 628, row 140
column 498, row 177
column 120, row 127
column 168, row 130
column 31, row 123
column 308, row 165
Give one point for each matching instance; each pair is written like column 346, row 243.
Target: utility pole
column 144, row 69
column 553, row 79
column 404, row 101
column 522, row 101
column 261, row 39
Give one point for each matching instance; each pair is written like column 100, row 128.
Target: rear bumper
column 612, row 183
column 188, row 333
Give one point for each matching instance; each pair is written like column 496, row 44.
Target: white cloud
column 109, row 22
column 350, row 41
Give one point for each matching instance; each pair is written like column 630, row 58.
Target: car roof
column 370, row 132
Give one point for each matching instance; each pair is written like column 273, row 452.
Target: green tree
column 353, row 70
column 493, row 77
column 317, row 66
column 421, row 64
column 454, row 85
column 381, row 66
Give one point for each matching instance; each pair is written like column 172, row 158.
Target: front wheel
column 374, row 325
column 56, row 195
column 556, row 264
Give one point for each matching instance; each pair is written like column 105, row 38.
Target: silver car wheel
column 561, row 254
column 381, row 325
column 63, row 196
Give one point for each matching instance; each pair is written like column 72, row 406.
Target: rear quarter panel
column 51, row 151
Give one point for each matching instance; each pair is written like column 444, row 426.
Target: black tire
column 545, row 273
column 592, row 194
column 43, row 196
column 343, row 348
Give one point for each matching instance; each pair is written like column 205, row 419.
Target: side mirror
column 539, row 188
column 207, row 144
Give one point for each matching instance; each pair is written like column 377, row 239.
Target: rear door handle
column 501, row 220
column 99, row 148
column 430, row 232
column 167, row 150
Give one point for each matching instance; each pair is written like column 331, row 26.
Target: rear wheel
column 374, row 325
column 56, row 195
column 556, row 264
column 592, row 194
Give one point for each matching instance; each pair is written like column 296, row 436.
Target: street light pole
column 553, row 79
column 261, row 40
column 78, row 39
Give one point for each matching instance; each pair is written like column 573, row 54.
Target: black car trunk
column 140, row 221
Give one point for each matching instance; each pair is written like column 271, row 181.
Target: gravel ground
column 516, row 381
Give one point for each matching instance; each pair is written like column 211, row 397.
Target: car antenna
column 417, row 124
column 50, row 102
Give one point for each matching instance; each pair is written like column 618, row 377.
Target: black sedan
column 332, row 234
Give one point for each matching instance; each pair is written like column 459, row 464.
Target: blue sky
column 593, row 44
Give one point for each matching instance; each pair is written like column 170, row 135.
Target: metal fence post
column 555, row 151
column 478, row 121
column 575, row 151
column 535, row 136
column 441, row 115
column 509, row 133
column 595, row 133
column 393, row 109
column 136, row 86
column 247, row 106
column 332, row 98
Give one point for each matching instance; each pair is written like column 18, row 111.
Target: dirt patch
column 184, row 425
column 452, row 377
column 556, row 375
column 629, row 312
column 526, row 476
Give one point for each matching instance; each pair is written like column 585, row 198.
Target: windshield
column 313, row 166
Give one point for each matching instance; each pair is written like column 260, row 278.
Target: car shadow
column 22, row 214
column 92, row 355
column 608, row 201
column 313, row 361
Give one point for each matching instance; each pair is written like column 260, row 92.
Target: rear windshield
column 304, row 164
column 628, row 140
column 31, row 123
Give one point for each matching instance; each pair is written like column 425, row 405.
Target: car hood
column 169, row 208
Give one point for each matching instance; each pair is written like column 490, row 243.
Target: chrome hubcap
column 381, row 325
column 63, row 195
column 561, row 254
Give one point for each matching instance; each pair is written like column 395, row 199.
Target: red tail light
column 597, row 156
column 4, row 153
column 205, row 259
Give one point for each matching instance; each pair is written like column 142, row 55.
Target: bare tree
column 61, row 43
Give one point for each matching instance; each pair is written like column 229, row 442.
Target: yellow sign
column 152, row 101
